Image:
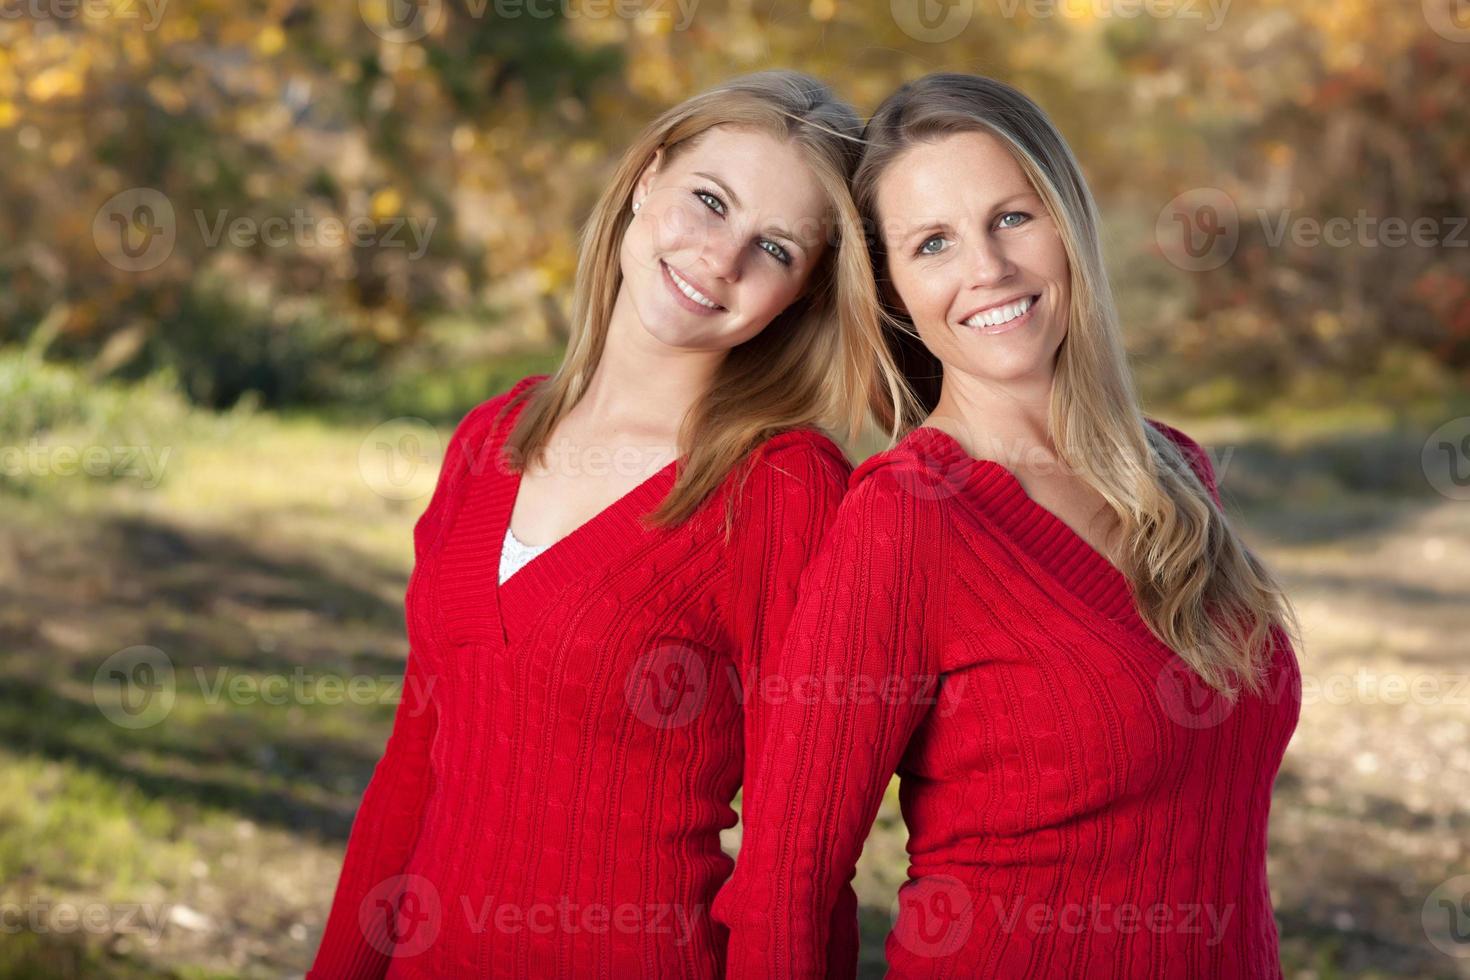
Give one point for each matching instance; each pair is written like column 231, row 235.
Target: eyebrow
column 938, row 224
column 735, row 199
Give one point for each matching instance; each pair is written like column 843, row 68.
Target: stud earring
column 636, row 206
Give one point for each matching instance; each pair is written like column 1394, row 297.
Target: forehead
column 771, row 177
column 951, row 175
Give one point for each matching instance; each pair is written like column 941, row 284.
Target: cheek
column 925, row 293
column 677, row 227
column 764, row 295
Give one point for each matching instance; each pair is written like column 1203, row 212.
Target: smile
column 688, row 291
column 1003, row 316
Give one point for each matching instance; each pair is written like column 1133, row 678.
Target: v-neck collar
column 587, row 543
column 587, row 546
column 1039, row 534
column 472, row 606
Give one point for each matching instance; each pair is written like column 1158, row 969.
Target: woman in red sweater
column 572, row 731
column 1032, row 608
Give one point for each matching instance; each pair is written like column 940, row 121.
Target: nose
column 989, row 264
column 722, row 254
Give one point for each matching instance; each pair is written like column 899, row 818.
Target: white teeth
column 999, row 315
column 691, row 292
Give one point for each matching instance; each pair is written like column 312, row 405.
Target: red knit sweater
column 1078, row 805
column 569, row 743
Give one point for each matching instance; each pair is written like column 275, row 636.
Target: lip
column 683, row 300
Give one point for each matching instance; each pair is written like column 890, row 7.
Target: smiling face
column 726, row 236
column 975, row 258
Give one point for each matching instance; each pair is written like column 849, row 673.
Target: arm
column 859, row 660
column 354, row 943
column 787, row 505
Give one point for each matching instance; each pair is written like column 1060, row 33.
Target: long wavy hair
column 1198, row 587
column 821, row 362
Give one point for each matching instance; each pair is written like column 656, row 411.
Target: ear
column 645, row 178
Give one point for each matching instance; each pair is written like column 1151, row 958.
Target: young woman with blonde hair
column 608, row 560
column 1032, row 607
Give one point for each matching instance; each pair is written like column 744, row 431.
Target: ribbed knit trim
column 1037, row 532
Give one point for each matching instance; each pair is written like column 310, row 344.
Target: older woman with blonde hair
column 610, row 558
column 1033, row 607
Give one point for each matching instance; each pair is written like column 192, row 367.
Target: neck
column 1008, row 422
column 640, row 383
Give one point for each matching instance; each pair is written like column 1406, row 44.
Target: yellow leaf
column 270, row 40
column 387, row 203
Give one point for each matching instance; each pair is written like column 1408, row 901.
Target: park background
column 258, row 257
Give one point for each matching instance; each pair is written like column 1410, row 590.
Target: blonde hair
column 821, row 362
column 1199, row 589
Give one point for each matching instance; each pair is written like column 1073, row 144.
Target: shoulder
column 921, row 471
column 486, row 418
column 798, row 475
column 1193, row 453
column 802, row 457
column 902, row 493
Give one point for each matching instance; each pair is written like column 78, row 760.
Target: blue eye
column 711, row 201
column 775, row 251
column 1013, row 214
column 924, row 248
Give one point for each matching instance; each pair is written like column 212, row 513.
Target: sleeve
column 354, row 943
column 788, row 504
column 1195, row 455
column 858, row 663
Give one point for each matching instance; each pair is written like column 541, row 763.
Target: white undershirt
column 514, row 554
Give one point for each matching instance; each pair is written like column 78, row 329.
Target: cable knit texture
column 1078, row 803
column 569, row 743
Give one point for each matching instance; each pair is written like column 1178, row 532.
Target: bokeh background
column 258, row 257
